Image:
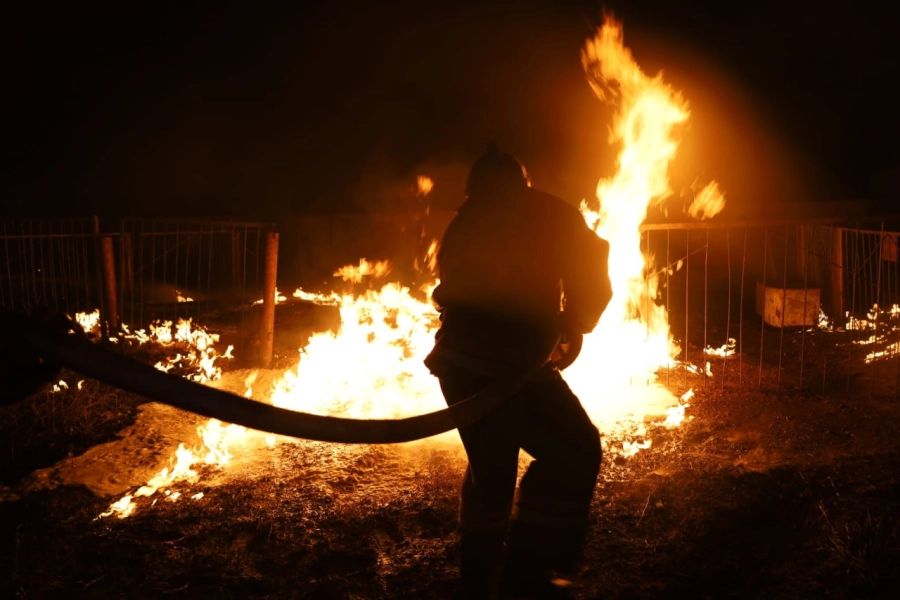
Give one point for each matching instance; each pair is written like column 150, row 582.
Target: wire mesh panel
column 171, row 268
column 780, row 307
column 49, row 263
column 871, row 268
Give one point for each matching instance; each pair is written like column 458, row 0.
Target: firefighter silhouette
column 519, row 270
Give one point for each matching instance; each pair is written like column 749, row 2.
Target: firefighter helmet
column 496, row 170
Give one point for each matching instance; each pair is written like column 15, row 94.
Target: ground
column 768, row 491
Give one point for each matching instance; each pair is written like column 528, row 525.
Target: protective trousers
column 547, row 421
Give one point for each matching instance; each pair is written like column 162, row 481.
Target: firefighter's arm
column 586, row 283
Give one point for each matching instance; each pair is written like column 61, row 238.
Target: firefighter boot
column 479, row 554
column 534, row 554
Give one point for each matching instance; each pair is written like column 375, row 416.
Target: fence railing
column 135, row 271
column 52, row 263
column 764, row 285
column 175, row 267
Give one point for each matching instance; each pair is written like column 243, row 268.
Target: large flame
column 616, row 374
column 371, row 368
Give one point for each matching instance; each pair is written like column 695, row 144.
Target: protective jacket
column 517, row 269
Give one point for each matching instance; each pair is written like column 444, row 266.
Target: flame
column 213, row 449
column 424, row 185
column 708, row 202
column 727, row 349
column 375, row 270
column 279, row 298
column 616, row 376
column 214, row 439
column 90, row 322
column 882, row 327
column 431, row 257
column 675, row 416
column 371, row 368
column 200, row 355
column 330, row 299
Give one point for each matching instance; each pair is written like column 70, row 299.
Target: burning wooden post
column 267, row 330
column 110, row 302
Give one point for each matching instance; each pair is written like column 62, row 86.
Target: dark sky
column 252, row 110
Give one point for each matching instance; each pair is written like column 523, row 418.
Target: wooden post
column 837, row 275
column 109, row 285
column 267, row 330
column 98, row 272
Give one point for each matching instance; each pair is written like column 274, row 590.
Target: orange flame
column 616, row 374
column 708, row 202
column 425, row 185
column 376, row 270
column 371, row 368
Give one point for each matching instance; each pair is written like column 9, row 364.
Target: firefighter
column 519, row 270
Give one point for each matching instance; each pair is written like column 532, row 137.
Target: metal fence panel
column 50, row 263
column 176, row 267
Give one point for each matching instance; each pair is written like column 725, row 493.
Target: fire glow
column 373, row 366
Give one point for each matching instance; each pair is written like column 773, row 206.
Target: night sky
column 255, row 110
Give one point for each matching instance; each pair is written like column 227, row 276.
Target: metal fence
column 134, row 270
column 169, row 268
column 764, row 285
column 50, row 263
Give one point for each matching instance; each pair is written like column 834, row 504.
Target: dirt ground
column 770, row 490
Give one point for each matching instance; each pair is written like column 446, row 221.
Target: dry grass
column 49, row 426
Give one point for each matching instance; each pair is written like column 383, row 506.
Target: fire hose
column 80, row 355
